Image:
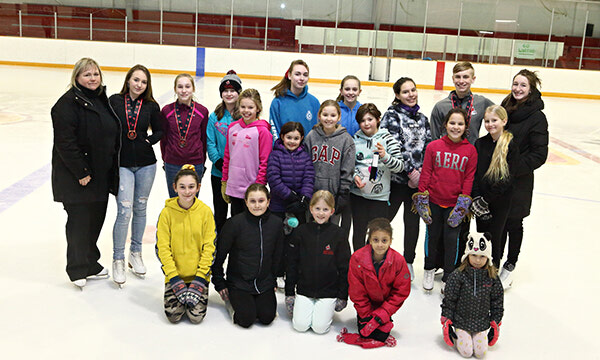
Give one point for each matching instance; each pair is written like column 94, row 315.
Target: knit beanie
column 231, row 81
column 478, row 244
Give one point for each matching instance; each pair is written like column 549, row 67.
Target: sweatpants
column 175, row 310
column 220, row 206
column 401, row 194
column 363, row 211
column 249, row 307
column 468, row 343
column 441, row 237
column 495, row 226
column 84, row 223
column 513, row 232
column 313, row 313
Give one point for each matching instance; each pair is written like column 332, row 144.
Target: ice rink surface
column 550, row 313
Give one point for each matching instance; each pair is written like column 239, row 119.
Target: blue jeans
column 134, row 188
column 172, row 170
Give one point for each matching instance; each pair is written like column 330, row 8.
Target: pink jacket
column 246, row 155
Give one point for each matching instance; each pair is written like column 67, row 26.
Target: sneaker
column 118, row 268
column 102, row 274
column 80, row 283
column 411, row 271
column 280, row 282
column 136, row 264
column 428, row 279
column 506, row 275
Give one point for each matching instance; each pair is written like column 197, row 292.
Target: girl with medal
column 138, row 111
column 184, row 124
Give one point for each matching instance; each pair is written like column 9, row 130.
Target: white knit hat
column 478, row 244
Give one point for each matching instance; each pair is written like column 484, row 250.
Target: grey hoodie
column 333, row 159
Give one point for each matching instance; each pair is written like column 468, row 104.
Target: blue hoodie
column 349, row 117
column 303, row 109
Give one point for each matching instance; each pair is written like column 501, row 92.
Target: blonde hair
column 253, row 95
column 284, row 85
column 489, row 266
column 462, row 66
column 81, row 66
column 187, row 76
column 346, row 78
column 325, row 104
column 324, row 195
column 498, row 170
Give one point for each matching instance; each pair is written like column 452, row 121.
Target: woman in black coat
column 84, row 166
column 529, row 126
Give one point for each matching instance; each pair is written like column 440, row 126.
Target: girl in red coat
column 446, row 179
column 379, row 282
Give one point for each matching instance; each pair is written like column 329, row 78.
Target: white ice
column 551, row 312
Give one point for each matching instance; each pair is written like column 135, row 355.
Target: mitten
column 460, row 211
column 179, row 288
column 223, row 190
column 299, row 206
column 340, row 304
column 421, row 206
column 493, row 333
column 219, row 164
column 293, row 197
column 448, row 331
column 341, row 201
column 413, row 179
column 196, row 288
column 480, row 207
column 289, row 304
column 368, row 325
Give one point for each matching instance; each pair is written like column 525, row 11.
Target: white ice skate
column 280, row 283
column 506, row 277
column 118, row 268
column 102, row 274
column 80, row 283
column 428, row 279
column 136, row 264
column 411, row 271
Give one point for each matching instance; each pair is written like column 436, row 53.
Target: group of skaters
column 294, row 186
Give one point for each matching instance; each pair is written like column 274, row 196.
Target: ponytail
column 498, row 170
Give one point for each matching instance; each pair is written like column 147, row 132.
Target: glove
column 413, row 179
column 340, row 304
column 448, row 331
column 480, row 207
column 341, row 201
column 195, row 290
column 289, row 304
column 219, row 164
column 421, row 206
column 179, row 288
column 223, row 189
column 298, row 206
column 460, row 211
column 493, row 333
column 293, row 197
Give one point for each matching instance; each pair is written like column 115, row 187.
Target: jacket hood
column 533, row 104
column 257, row 123
column 447, row 140
column 172, row 204
column 345, row 107
column 338, row 131
column 381, row 132
column 301, row 96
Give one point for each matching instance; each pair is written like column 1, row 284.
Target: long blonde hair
column 498, row 170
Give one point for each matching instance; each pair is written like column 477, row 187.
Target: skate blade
column 97, row 277
column 140, row 275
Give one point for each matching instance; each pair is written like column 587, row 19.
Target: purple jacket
column 287, row 171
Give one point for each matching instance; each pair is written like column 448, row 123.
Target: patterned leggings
column 175, row 310
column 469, row 343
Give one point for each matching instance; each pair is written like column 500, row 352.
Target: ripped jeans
column 134, row 188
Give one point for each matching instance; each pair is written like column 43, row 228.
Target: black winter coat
column 138, row 152
column 86, row 142
column 254, row 245
column 472, row 299
column 318, row 259
column 530, row 129
column 500, row 190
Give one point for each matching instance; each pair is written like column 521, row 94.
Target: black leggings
column 513, row 231
column 495, row 226
column 402, row 194
column 440, row 236
column 249, row 307
column 363, row 211
column 221, row 207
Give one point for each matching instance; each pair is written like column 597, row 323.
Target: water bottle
column 374, row 164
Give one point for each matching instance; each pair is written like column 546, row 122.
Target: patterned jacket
column 412, row 133
column 472, row 299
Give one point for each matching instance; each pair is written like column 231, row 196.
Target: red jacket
column 448, row 170
column 370, row 292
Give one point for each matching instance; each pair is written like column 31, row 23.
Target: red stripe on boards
column 439, row 75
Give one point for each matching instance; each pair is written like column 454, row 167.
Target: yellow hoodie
column 185, row 240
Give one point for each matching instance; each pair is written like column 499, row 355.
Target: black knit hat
column 231, row 81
